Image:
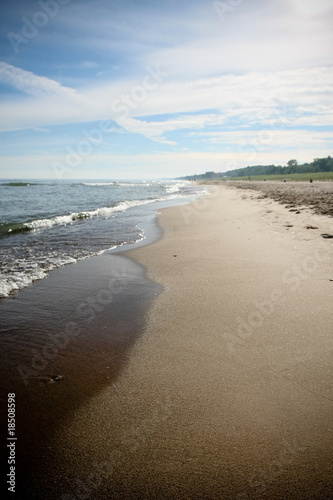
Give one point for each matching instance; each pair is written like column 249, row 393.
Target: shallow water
column 63, row 339
column 45, row 225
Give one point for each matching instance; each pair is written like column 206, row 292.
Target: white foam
column 171, row 188
column 116, row 183
column 31, row 271
column 63, row 220
column 174, row 188
column 100, row 183
column 15, row 281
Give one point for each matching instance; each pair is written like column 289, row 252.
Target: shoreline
column 228, row 392
column 64, row 339
column 222, row 388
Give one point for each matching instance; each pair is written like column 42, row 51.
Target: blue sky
column 150, row 89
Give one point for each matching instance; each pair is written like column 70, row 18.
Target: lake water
column 47, row 224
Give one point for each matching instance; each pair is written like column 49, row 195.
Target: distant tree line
column 292, row 167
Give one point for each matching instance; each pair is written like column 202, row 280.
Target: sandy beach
column 228, row 393
column 166, row 250
column 318, row 195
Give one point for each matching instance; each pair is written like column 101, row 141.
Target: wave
column 30, row 271
column 116, row 183
column 29, row 259
column 8, row 229
column 174, row 188
column 17, row 184
column 39, row 269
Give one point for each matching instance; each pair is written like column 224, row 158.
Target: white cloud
column 255, row 36
column 271, row 137
column 155, row 129
column 310, row 8
column 297, row 97
column 267, row 65
column 32, row 84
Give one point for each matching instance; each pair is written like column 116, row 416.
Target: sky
column 120, row 89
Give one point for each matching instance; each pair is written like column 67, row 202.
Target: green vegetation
column 315, row 176
column 318, row 165
column 319, row 169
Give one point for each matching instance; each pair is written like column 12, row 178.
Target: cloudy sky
column 150, row 89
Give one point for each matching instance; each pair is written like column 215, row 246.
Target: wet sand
column 79, row 323
column 229, row 391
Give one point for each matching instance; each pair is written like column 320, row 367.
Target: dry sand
column 229, row 392
column 317, row 195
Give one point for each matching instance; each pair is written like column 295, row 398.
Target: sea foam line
column 63, row 220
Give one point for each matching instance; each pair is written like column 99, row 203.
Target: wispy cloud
column 31, row 84
column 275, row 100
column 271, row 138
column 44, row 130
column 267, row 67
column 257, row 36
